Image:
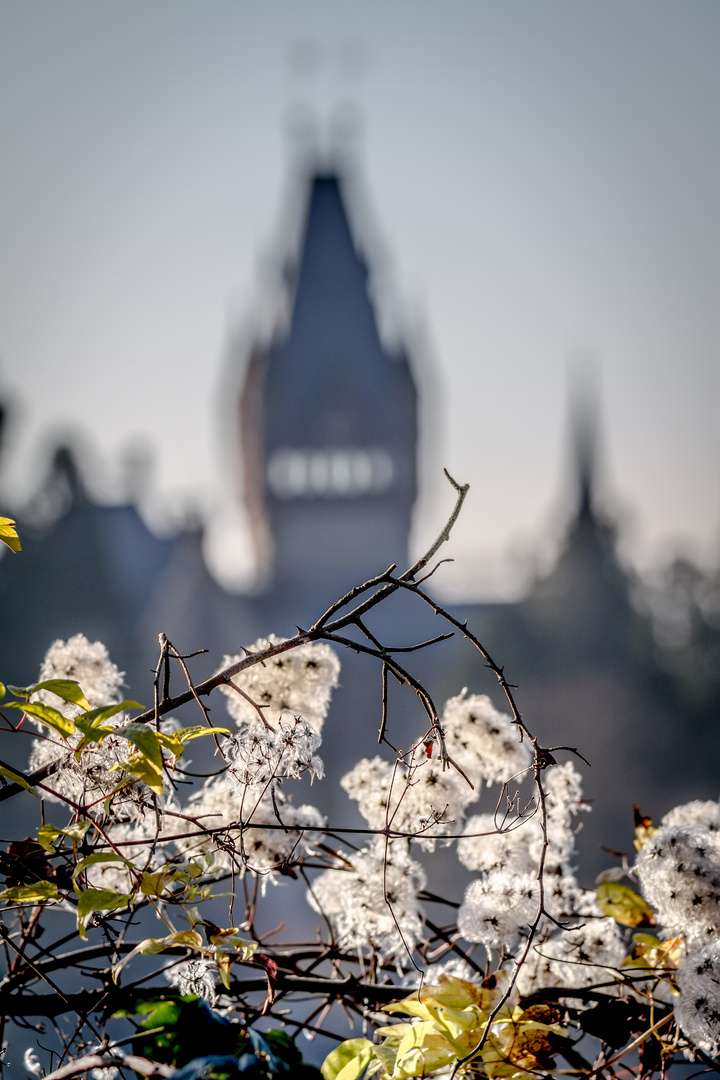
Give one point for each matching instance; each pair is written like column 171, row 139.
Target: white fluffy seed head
column 587, row 956
column 484, row 847
column 423, row 799
column 703, row 812
column 371, row 902
column 299, row 681
column 88, row 664
column 91, row 779
column 266, row 845
column 483, row 741
column 697, row 1010
column 679, row 871
column 258, row 755
column 194, row 977
column 498, row 909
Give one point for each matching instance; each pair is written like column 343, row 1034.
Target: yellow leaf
column 453, row 993
column 144, row 739
column 653, row 955
column 66, row 689
column 393, row 1033
column 147, row 771
column 151, row 946
column 8, row 534
column 644, row 829
column 155, row 884
column 222, row 963
column 349, row 1060
column 16, row 778
column 147, row 763
column 190, row 938
column 411, row 1007
column 613, row 873
column 228, row 940
column 623, row 904
column 30, row 894
column 47, row 834
column 197, row 731
column 92, row 900
column 46, row 715
column 171, row 743
column 422, row 1049
column 523, row 1042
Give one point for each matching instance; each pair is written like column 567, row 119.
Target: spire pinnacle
column 584, row 427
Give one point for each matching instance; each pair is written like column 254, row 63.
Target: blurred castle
column 328, row 422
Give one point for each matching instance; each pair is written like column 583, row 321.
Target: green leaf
column 30, row 894
column 46, row 715
column 97, row 857
column 154, row 884
column 147, row 764
column 3, row 690
column 49, row 833
column 196, row 732
column 158, row 1011
column 91, row 724
column 150, row 946
column 92, row 900
column 99, row 716
column 17, row 779
column 349, row 1060
column 167, row 1010
column 8, row 534
column 67, row 689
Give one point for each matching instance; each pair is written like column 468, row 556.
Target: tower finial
column 583, row 377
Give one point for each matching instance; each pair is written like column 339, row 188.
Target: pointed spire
column 329, row 418
column 584, row 425
column 331, row 272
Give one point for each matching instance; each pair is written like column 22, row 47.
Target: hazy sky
column 541, row 178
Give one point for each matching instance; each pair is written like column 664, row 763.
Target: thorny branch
column 262, row 974
column 321, row 630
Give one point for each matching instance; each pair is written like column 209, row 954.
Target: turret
column 329, row 419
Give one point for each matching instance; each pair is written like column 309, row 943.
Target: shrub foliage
column 132, row 907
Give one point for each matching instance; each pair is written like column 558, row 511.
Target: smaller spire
column 66, row 471
column 63, row 488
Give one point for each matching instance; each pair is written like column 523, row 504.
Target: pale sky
column 538, row 178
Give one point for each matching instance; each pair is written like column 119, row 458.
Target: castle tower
column 329, row 422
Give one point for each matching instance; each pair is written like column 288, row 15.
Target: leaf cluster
column 180, row 1031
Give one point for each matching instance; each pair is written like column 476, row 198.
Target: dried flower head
column 88, row 664
column 299, row 681
column 371, row 900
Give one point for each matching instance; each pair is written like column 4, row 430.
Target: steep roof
column 329, row 418
column 331, row 353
